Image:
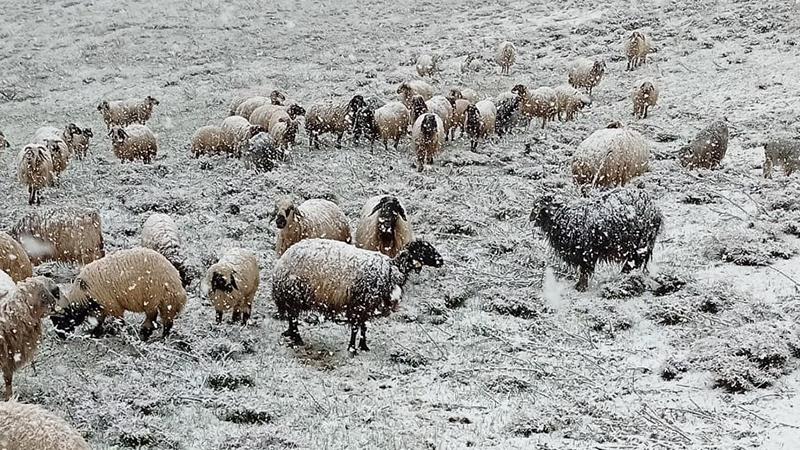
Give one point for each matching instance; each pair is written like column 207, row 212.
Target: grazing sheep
column 3, row 141
column 383, row 226
column 506, row 55
column 13, row 259
column 707, row 148
column 53, row 139
column 263, row 115
column 160, row 233
column 335, row 278
column 21, row 325
column 122, row 113
column 244, row 106
column 480, row 121
column 35, row 170
column 77, row 139
column 508, row 111
column 138, row 280
column 331, row 117
column 782, row 151
column 586, row 74
column 261, row 153
column 232, row 283
column 314, row 218
column 440, row 106
column 472, row 64
column 409, row 89
column 459, row 114
column 389, row 122
column 428, row 136
column 428, row 65
column 636, row 49
column 467, row 94
column 66, row 234
column 569, row 101
column 239, row 131
column 620, row 226
column 30, row 427
column 211, row 140
column 610, row 156
column 283, row 131
column 540, row 102
column 418, row 107
column 644, row 96
column 134, row 142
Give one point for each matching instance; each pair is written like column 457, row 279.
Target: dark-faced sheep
column 133, row 142
column 53, row 139
column 586, row 74
column 782, row 151
column 339, row 279
column 29, row 427
column 540, row 102
column 77, row 139
column 261, row 153
column 506, row 56
column 428, row 136
column 387, row 123
column 331, row 117
column 508, row 113
column 707, row 148
column 13, row 259
column 66, row 234
column 122, row 113
column 231, row 284
column 418, row 107
column 569, row 102
column 617, row 226
column 636, row 49
column 244, row 106
column 644, row 96
column 35, row 170
column 480, row 121
column 409, row 89
column 314, row 218
column 383, row 226
column 610, row 156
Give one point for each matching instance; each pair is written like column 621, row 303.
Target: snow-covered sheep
column 160, row 233
column 610, row 156
column 30, row 427
column 467, row 94
column 7, row 287
column 134, row 142
column 331, row 117
column 21, row 325
column 3, row 141
column 439, row 105
column 472, row 63
column 77, row 139
column 428, row 65
column 383, row 226
column 636, row 49
column 389, row 122
column 644, row 96
column 586, row 74
column 138, row 280
column 13, row 259
column 428, row 137
column 284, row 131
column 508, row 111
column 239, row 131
column 122, row 113
column 264, row 115
column 782, row 151
column 540, row 102
column 409, row 89
column 35, row 170
column 707, row 148
column 418, row 107
column 460, row 106
column 506, row 56
column 339, row 279
column 314, row 218
column 231, row 283
column 53, row 139
column 244, row 107
column 569, row 101
column 211, row 140
column 66, row 234
column 261, row 153
column 480, row 121
column 620, row 225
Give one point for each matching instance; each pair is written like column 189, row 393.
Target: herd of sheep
column 321, row 265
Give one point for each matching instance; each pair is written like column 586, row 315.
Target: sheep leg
column 396, row 143
column 236, row 316
column 544, row 122
column 148, row 326
column 351, row 348
column 386, row 144
column 768, row 168
column 420, row 162
column 219, row 317
column 30, row 195
column 644, row 113
column 98, row 330
column 583, row 280
column 8, row 374
column 292, row 332
column 245, row 315
column 167, row 328
column 362, row 343
column 339, row 140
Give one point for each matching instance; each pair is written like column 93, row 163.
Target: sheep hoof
column 363, row 347
column 352, row 350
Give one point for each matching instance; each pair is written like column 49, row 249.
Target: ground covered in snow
column 491, row 351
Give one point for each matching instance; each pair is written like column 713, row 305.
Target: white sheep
column 7, row 287
column 472, row 64
column 122, row 113
column 53, row 139
column 66, row 234
column 389, row 122
column 586, row 74
column 439, row 105
column 331, row 117
column 263, row 115
column 783, row 151
column 211, row 140
column 540, row 102
column 238, row 131
column 408, row 89
column 480, row 121
column 160, row 233
column 383, row 226
column 610, row 156
column 35, row 170
column 77, row 139
column 232, row 283
column 636, row 49
column 644, row 96
column 13, row 259
column 314, row 218
column 569, row 101
column 244, row 107
column 506, row 56
column 467, row 94
column 30, row 427
column 427, row 65
column 428, row 137
column 134, row 142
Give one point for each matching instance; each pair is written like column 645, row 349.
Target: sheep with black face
column 314, row 218
column 383, row 226
column 232, row 283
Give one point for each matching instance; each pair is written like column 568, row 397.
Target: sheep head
column 3, row 142
column 150, row 101
column 117, row 135
column 388, row 210
column 276, row 97
column 429, row 124
column 285, row 212
column 295, row 110
column 224, row 282
column 416, row 255
column 544, row 209
column 71, row 310
column 520, row 90
column 103, row 106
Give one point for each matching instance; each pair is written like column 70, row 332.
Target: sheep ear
column 82, row 284
column 297, row 212
column 401, row 211
column 233, row 281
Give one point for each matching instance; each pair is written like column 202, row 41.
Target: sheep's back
column 610, row 156
column 28, row 427
column 392, row 119
column 71, row 234
column 326, row 218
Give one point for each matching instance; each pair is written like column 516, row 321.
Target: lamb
column 122, row 113
column 389, row 122
column 783, row 151
column 428, row 65
column 211, row 140
column 66, row 234
column 440, row 106
column 239, row 131
column 331, row 117
column 261, row 153
column 77, row 139
column 3, row 141
column 13, row 259
column 134, row 142
column 540, row 102
column 335, row 278
column 53, row 139
column 610, row 156
column 644, row 96
column 506, row 55
column 383, row 226
column 508, row 111
column 569, row 101
column 707, row 148
column 29, row 427
column 409, row 89
column 620, row 225
column 232, row 283
column 586, row 74
column 314, row 218
column 35, row 170
column 636, row 49
column 428, row 136
column 245, row 107
column 480, row 121
column 160, row 233
column 139, row 280
column 21, row 325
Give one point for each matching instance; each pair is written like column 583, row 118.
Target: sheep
column 29, row 427
column 508, row 111
column 636, row 49
column 238, row 132
column 261, row 153
column 620, row 225
column 7, row 287
column 540, row 102
column 440, row 106
column 263, row 115
column 428, row 65
column 232, row 283
column 138, row 280
column 122, row 113
column 409, row 89
column 783, row 151
column 21, row 324
column 133, row 142
column 331, row 117
column 53, row 139
column 160, row 233
column 505, row 57
column 383, row 226
column 707, row 148
column 460, row 106
column 480, row 121
column 314, row 218
column 644, row 96
column 610, row 156
column 389, row 122
column 471, row 64
column 3, row 141
column 211, row 140
column 283, row 131
column 428, row 136
column 35, row 170
column 418, row 107
column 335, row 278
column 77, row 139
column 66, row 234
column 586, row 74
column 569, row 101
column 13, row 259
column 467, row 94
column 245, row 107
